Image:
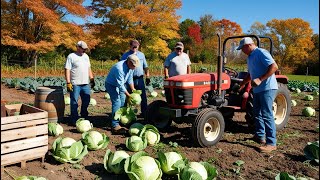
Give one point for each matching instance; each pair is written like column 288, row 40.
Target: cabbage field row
column 30, row 84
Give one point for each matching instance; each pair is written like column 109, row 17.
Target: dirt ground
column 235, row 145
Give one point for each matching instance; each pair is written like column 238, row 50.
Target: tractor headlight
column 184, row 84
column 166, row 83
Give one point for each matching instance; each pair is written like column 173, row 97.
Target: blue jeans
column 117, row 100
column 84, row 92
column 263, row 116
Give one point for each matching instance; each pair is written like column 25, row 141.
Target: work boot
column 258, row 139
column 119, row 130
column 267, row 148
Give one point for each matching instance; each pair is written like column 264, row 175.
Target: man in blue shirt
column 261, row 67
column 115, row 84
column 139, row 72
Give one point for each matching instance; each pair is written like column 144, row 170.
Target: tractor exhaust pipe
column 219, row 66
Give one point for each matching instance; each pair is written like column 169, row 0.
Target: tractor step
column 233, row 107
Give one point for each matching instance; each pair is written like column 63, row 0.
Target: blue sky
column 246, row 12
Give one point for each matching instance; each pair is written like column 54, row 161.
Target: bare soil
column 235, row 145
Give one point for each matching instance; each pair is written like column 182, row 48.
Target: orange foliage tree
column 151, row 22
column 35, row 26
column 292, row 40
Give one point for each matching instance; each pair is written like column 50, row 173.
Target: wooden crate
column 24, row 136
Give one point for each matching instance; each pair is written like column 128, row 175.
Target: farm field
column 235, row 145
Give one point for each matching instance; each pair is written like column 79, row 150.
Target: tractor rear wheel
column 153, row 116
column 208, row 127
column 281, row 107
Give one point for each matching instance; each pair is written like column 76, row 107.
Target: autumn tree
column 194, row 33
column 150, row 22
column 35, row 26
column 258, row 28
column 183, row 32
column 292, row 40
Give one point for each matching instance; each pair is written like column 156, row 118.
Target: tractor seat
column 236, row 80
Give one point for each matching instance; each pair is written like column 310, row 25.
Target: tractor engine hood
column 185, row 91
column 198, row 79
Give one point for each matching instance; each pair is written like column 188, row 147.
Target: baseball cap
column 134, row 41
column 82, row 44
column 134, row 59
column 179, row 45
column 244, row 41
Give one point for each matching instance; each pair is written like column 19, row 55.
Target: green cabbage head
column 308, row 111
column 311, row 151
column 93, row 102
column 30, row 178
column 308, row 98
column 135, row 99
column 141, row 166
column 107, row 96
column 54, row 129
column 293, row 102
column 95, row 140
column 136, row 143
column 151, row 133
column 83, row 125
column 170, row 162
column 154, row 94
column 135, row 129
column 114, row 162
column 198, row 170
column 125, row 115
column 68, row 150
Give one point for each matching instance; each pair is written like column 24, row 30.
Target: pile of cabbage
column 142, row 166
column 66, row 149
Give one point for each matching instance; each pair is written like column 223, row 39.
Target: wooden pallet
column 25, row 136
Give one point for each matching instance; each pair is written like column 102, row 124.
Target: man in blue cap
column 139, row 72
column 261, row 67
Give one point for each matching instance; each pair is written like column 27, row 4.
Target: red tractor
column 208, row 99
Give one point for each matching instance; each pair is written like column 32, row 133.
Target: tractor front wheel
column 154, row 117
column 208, row 127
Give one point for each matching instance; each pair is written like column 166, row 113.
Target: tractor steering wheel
column 231, row 72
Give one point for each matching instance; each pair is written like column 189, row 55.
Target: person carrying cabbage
column 139, row 72
column 115, row 84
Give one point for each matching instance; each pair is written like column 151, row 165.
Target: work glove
column 69, row 87
column 256, row 82
column 166, row 77
column 92, row 84
column 147, row 81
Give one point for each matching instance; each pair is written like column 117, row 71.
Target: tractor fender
column 282, row 79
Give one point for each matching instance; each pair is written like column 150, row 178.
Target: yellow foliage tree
column 292, row 40
column 36, row 26
column 149, row 21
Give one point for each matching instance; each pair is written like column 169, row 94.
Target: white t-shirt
column 177, row 65
column 79, row 68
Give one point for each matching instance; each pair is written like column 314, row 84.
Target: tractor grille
column 168, row 95
column 182, row 96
